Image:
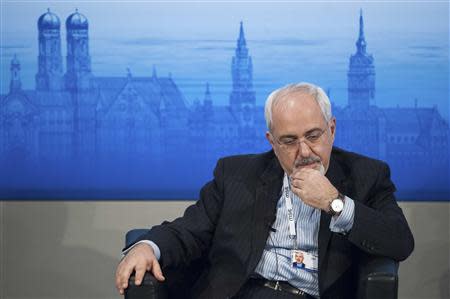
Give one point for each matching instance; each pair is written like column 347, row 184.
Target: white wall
column 70, row 249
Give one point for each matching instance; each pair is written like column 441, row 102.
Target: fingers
column 302, row 172
column 299, row 181
column 303, row 175
column 157, row 271
column 154, row 267
column 297, row 190
column 140, row 259
column 123, row 273
column 139, row 276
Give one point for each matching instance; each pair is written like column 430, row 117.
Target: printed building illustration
column 412, row 140
column 75, row 115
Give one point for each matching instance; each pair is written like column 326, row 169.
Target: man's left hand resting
column 140, row 258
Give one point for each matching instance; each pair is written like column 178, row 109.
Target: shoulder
column 245, row 165
column 362, row 175
column 249, row 158
column 355, row 163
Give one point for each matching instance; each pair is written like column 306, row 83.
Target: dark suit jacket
column 229, row 225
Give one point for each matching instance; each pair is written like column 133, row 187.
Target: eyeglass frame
column 294, row 144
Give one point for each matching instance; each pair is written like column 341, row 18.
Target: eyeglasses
column 291, row 143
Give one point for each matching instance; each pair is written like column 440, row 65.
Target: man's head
column 301, row 128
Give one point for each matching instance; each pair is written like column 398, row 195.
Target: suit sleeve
column 380, row 228
column 187, row 237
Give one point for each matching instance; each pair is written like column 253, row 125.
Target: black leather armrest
column 378, row 278
column 149, row 289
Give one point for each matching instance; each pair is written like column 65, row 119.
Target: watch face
column 337, row 205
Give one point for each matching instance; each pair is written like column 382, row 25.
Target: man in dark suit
column 305, row 198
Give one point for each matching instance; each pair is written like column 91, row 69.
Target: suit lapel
column 264, row 210
column 336, row 176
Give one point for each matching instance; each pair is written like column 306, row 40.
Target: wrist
column 336, row 205
column 333, row 195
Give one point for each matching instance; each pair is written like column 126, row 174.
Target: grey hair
column 304, row 88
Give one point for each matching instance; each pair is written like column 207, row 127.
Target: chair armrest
column 378, row 278
column 150, row 288
column 133, row 235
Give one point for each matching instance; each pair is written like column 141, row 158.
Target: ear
column 332, row 125
column 270, row 138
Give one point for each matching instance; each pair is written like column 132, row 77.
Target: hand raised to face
column 313, row 188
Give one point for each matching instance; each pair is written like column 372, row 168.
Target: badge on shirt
column 304, row 260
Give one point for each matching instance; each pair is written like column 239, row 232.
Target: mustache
column 306, row 161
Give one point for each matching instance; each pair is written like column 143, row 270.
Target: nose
column 304, row 150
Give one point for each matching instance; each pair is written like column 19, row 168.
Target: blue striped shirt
column 275, row 263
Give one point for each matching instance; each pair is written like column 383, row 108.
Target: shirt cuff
column 343, row 223
column 148, row 242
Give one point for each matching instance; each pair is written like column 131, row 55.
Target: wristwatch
column 337, row 205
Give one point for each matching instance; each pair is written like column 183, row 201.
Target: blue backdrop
column 137, row 101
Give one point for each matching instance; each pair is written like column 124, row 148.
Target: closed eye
column 289, row 141
column 313, row 137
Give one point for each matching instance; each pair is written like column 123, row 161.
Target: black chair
column 378, row 279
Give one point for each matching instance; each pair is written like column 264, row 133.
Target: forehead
column 296, row 113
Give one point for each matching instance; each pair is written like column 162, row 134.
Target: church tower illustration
column 15, row 84
column 50, row 71
column 78, row 75
column 361, row 73
column 79, row 82
column 242, row 97
column 362, row 124
column 19, row 122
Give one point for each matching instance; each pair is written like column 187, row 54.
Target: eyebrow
column 312, row 131
column 287, row 136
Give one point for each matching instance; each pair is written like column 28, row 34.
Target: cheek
column 324, row 153
column 286, row 161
